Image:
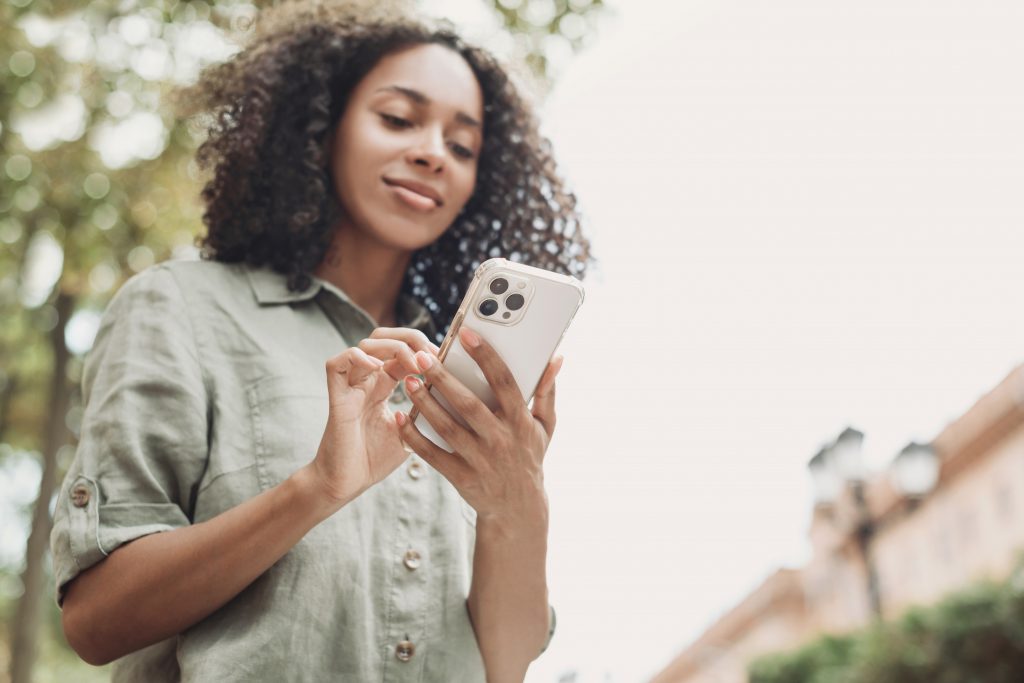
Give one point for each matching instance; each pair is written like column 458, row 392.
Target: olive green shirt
column 206, row 386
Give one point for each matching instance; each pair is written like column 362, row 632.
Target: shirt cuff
column 85, row 531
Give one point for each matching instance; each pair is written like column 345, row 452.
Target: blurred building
column 944, row 515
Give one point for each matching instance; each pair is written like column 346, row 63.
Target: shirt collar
column 271, row 288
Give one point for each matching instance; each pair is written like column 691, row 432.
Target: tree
column 973, row 635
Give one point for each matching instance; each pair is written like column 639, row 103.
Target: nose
column 428, row 152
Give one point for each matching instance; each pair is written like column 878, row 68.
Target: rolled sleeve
column 143, row 444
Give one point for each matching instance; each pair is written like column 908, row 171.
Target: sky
column 807, row 215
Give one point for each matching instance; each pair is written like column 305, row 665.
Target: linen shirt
column 206, row 386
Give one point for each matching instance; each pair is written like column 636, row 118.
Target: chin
column 407, row 235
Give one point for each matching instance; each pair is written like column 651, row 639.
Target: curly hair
column 270, row 200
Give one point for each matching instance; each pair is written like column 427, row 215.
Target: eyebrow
column 419, row 98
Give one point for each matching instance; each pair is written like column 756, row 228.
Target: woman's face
column 404, row 154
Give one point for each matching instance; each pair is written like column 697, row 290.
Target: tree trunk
column 6, row 396
column 25, row 630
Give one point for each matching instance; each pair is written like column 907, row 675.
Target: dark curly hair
column 270, row 200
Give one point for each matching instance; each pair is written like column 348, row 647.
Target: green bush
column 976, row 636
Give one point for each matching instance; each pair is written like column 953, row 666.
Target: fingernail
column 558, row 363
column 400, row 418
column 469, row 337
column 412, row 384
column 424, row 360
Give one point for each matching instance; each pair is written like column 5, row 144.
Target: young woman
column 362, row 169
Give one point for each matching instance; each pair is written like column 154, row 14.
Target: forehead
column 436, row 71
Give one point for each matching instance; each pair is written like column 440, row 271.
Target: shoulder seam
column 207, row 382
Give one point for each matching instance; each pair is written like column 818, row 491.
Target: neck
column 369, row 272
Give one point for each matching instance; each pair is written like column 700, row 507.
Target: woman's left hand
column 497, row 463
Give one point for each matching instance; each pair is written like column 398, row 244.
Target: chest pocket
column 288, row 420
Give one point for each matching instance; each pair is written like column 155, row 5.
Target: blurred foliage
column 549, row 31
column 97, row 183
column 975, row 636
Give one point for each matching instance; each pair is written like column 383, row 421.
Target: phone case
column 525, row 337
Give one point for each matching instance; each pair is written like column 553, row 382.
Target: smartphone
column 521, row 311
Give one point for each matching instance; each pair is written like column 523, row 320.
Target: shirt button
column 398, row 395
column 412, row 560
column 405, row 651
column 415, row 470
column 80, row 496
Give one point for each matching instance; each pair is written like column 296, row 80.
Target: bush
column 976, row 636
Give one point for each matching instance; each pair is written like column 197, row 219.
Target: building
column 943, row 516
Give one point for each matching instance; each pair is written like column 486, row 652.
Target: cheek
column 360, row 148
column 354, row 174
column 460, row 189
column 464, row 186
column 358, row 155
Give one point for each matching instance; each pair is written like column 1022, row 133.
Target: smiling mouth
column 414, row 196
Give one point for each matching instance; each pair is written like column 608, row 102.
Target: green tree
column 974, row 636
column 80, row 211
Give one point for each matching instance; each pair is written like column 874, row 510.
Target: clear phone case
column 523, row 312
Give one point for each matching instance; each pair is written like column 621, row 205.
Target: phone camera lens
column 499, row 285
column 514, row 302
column 488, row 307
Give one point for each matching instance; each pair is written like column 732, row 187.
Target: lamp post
column 847, row 451
column 914, row 472
column 839, row 465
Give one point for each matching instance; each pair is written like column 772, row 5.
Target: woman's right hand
column 361, row 443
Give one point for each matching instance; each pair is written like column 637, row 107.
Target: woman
column 361, row 170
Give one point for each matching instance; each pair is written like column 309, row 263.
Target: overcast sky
column 808, row 214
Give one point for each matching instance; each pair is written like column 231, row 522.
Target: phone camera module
column 488, row 307
column 499, row 285
column 514, row 302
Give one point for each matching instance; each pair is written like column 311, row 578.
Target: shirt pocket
column 288, row 420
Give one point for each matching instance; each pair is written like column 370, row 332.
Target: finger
column 463, row 401
column 544, row 397
column 451, row 466
column 396, row 370
column 361, row 366
column 339, row 366
column 503, row 383
column 392, row 350
column 414, row 338
column 459, row 437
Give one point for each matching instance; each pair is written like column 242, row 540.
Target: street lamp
column 846, row 452
column 835, row 467
column 827, row 483
column 839, row 466
column 915, row 471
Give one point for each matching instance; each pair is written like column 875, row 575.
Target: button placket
column 409, row 614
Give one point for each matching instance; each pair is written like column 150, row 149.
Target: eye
column 395, row 121
column 461, row 151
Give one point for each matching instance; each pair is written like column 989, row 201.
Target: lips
column 418, row 188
